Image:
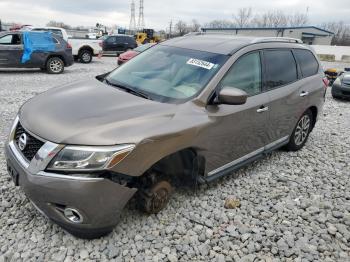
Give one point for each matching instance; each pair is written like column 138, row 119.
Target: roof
column 221, row 43
column 268, row 28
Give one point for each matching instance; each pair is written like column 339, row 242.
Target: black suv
column 117, row 44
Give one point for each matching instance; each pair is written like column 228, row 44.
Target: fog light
column 73, row 215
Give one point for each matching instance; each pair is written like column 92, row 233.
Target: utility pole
column 170, row 28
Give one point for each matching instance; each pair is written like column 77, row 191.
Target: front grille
column 33, row 144
column 346, row 93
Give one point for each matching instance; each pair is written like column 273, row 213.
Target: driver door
column 239, row 131
column 11, row 50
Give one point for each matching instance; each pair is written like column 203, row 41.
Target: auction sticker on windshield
column 200, row 63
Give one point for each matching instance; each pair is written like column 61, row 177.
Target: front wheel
column 156, row 198
column 301, row 132
column 55, row 65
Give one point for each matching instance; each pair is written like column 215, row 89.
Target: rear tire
column 85, row 56
column 301, row 132
column 54, row 65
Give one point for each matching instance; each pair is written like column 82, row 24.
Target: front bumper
column 340, row 91
column 98, row 200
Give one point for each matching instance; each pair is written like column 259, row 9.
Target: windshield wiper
column 129, row 89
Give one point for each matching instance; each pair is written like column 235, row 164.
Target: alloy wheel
column 302, row 130
column 56, row 66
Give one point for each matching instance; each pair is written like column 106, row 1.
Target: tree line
column 245, row 17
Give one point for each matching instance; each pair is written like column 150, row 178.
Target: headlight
column 84, row 158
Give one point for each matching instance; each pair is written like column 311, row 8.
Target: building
column 311, row 35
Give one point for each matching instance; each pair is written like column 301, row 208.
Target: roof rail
column 277, row 39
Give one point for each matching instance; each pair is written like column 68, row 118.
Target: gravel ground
column 295, row 206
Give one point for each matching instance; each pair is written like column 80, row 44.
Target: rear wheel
column 301, row 132
column 55, row 65
column 85, row 56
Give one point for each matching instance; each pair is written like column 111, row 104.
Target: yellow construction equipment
column 147, row 36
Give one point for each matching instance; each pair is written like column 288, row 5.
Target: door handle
column 263, row 109
column 303, row 94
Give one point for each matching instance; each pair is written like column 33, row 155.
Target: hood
column 93, row 113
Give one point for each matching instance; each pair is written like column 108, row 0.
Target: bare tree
column 298, row 19
column 181, row 28
column 277, row 18
column 195, row 26
column 243, row 17
column 220, row 24
column 341, row 32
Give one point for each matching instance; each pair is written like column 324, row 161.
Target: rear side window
column 280, row 68
column 130, row 40
column 307, row 62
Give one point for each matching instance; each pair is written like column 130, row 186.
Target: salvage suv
column 189, row 110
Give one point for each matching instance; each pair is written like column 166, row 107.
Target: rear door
column 121, row 44
column 240, row 130
column 110, row 44
column 284, row 89
column 11, row 50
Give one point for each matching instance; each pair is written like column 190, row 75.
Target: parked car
column 189, row 110
column 83, row 49
column 126, row 56
column 341, row 86
column 117, row 44
column 54, row 62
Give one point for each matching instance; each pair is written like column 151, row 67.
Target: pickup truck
column 83, row 49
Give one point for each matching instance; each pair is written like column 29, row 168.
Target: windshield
column 168, row 74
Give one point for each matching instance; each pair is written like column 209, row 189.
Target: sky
column 159, row 13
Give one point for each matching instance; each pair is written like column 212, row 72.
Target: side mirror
column 232, row 96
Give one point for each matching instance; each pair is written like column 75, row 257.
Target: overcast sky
column 158, row 13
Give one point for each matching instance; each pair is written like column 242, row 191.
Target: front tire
column 55, row 65
column 301, row 132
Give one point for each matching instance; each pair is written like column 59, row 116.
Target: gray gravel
column 294, row 206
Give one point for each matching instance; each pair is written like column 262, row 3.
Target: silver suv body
column 191, row 109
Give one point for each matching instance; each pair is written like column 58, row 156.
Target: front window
column 168, row 74
column 12, row 39
column 245, row 74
